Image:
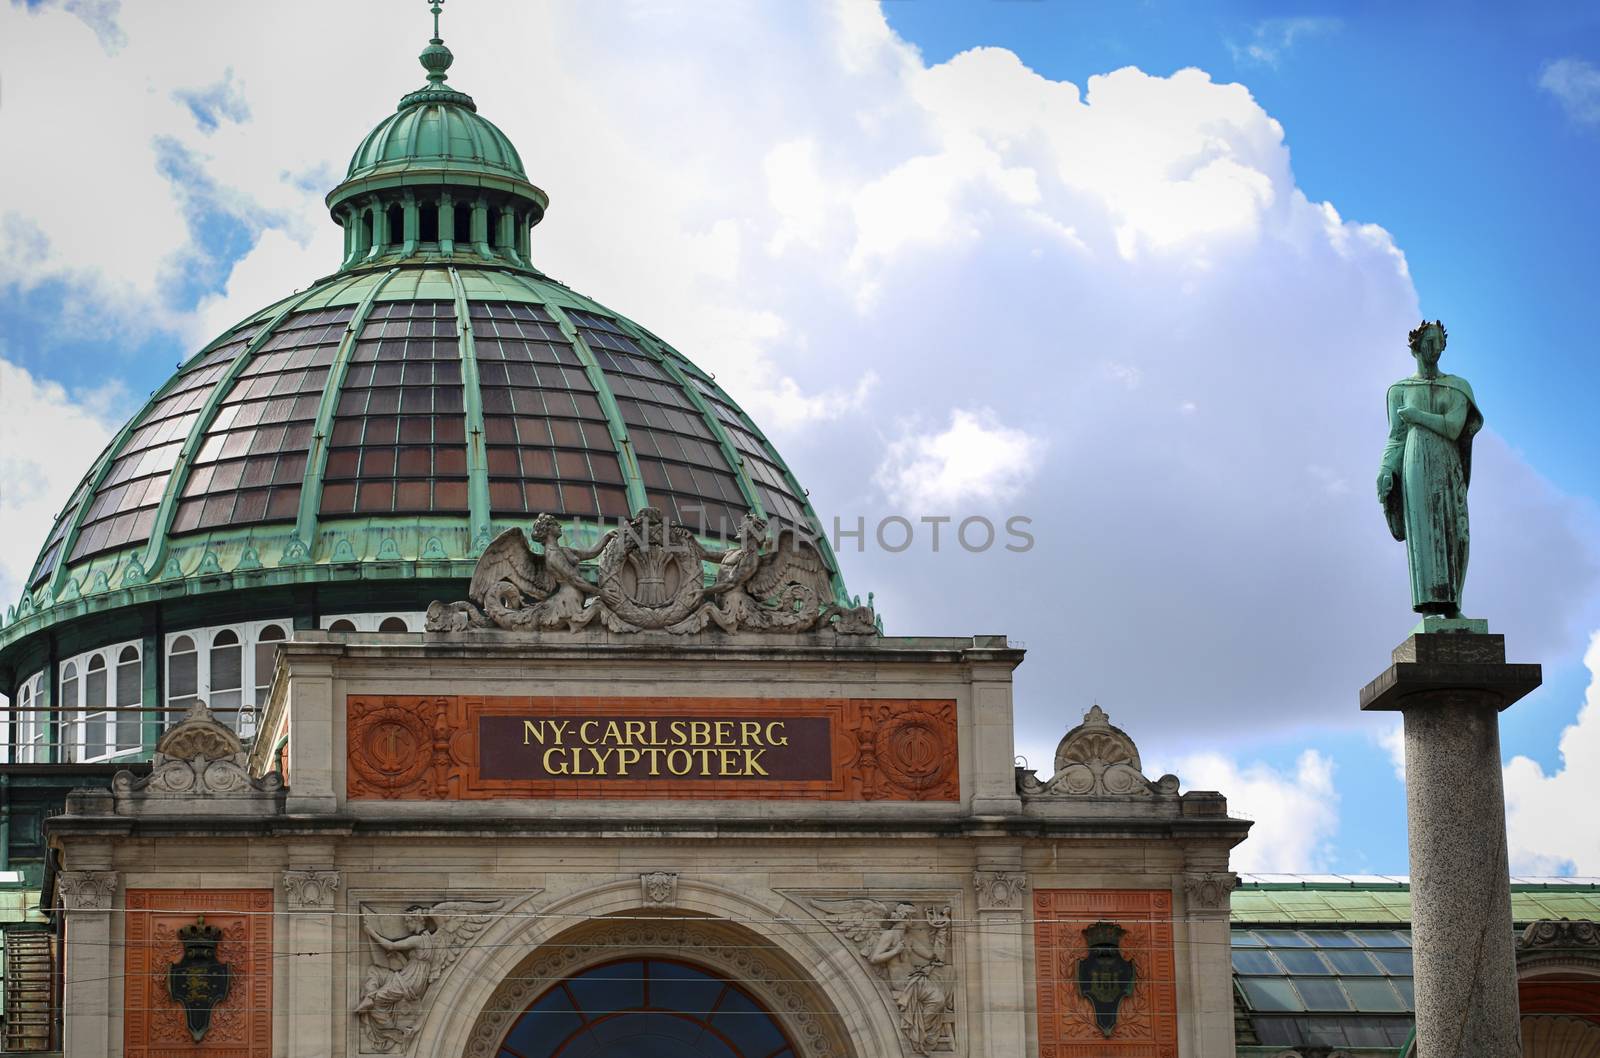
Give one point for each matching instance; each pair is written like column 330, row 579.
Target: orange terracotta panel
column 1147, row 1026
column 488, row 747
column 153, row 1023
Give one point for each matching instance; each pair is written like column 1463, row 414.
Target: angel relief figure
column 907, row 950
column 518, row 589
column 403, row 968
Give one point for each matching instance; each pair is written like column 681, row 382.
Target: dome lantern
column 435, row 181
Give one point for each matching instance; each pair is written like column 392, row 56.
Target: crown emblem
column 1104, row 935
column 200, row 935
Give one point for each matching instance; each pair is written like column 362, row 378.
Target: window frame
column 77, row 715
column 246, row 718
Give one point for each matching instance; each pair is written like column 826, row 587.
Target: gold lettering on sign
column 403, row 747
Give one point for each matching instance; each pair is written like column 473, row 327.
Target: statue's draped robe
column 1427, row 508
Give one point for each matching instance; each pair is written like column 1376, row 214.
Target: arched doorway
column 646, row 1008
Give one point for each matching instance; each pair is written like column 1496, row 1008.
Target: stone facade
column 870, row 872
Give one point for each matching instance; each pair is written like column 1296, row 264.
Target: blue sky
column 1153, row 310
column 1428, row 119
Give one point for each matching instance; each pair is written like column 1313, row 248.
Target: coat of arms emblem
column 199, row 980
column 1105, row 976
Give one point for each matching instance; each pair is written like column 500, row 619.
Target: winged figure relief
column 650, row 577
column 906, row 947
column 404, row 967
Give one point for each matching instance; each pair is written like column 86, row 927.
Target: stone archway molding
column 811, row 983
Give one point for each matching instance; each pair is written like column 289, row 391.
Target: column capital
column 1209, row 890
column 86, row 890
column 999, row 890
column 310, row 890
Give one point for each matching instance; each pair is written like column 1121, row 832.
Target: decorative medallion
column 198, row 981
column 1105, row 977
column 391, row 742
column 659, row 888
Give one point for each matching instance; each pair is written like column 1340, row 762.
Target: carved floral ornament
column 1096, row 759
column 197, row 757
column 310, row 890
column 649, row 576
column 86, row 890
column 659, row 889
column 999, row 890
column 1210, row 891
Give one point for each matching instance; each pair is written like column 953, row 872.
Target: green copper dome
column 436, row 129
column 359, row 443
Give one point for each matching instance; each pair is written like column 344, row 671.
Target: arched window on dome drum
column 685, row 472
column 94, row 723
column 395, row 229
column 266, row 659
column 428, row 221
column 463, row 219
column 226, row 680
column 252, row 460
column 227, row 667
column 343, row 625
column 646, row 1008
column 67, row 711
column 183, row 677
column 123, row 507
column 399, row 434
column 130, row 695
column 393, row 624
column 30, row 727
column 548, row 447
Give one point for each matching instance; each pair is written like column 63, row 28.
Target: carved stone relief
column 648, row 577
column 310, row 890
column 905, row 943
column 407, row 950
column 659, row 889
column 1096, row 759
column 1560, row 933
column 197, row 758
column 86, row 890
column 1209, row 891
column 999, row 890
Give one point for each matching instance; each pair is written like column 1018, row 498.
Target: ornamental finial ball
column 436, row 58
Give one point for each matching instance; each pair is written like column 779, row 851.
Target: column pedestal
column 1449, row 687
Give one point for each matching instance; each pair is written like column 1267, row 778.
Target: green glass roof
column 1376, row 902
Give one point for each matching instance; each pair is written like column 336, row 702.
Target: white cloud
column 851, row 237
column 1552, row 821
column 1392, row 740
column 974, row 460
column 1576, row 85
column 48, row 438
column 1272, row 38
column 1296, row 812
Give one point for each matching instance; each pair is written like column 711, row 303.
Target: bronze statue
column 1426, row 468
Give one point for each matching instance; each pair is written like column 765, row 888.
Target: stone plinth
column 1450, row 688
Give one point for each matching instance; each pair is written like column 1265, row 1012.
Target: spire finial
column 436, row 58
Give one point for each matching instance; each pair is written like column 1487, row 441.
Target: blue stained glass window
column 646, row 1008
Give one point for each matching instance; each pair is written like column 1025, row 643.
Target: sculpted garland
column 649, row 576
